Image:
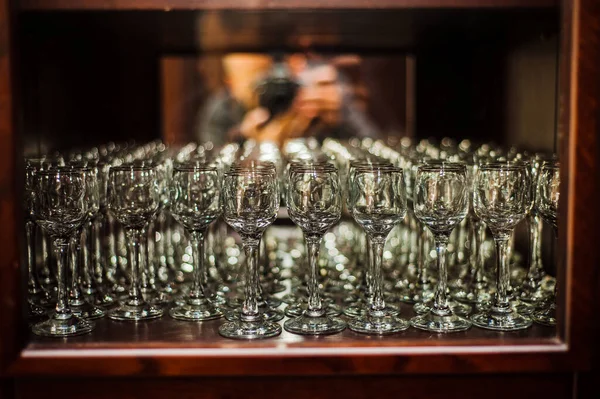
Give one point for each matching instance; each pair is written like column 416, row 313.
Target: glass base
column 265, row 301
column 460, row 309
column 415, row 294
column 42, row 299
column 84, row 310
column 274, row 288
column 297, row 309
column 196, row 310
column 545, row 317
column 362, row 309
column 473, row 295
column 440, row 324
column 136, row 312
column 34, row 310
column 501, row 321
column 517, row 305
column 62, row 327
column 318, row 325
column 378, row 325
column 265, row 314
column 102, row 300
column 249, row 329
column 534, row 296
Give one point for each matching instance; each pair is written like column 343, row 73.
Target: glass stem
column 198, row 289
column 502, row 272
column 422, row 277
column 536, row 271
column 369, row 272
column 88, row 265
column 315, row 306
column 250, row 308
column 47, row 265
column 134, row 239
column 76, row 298
column 61, row 249
column 97, row 249
column 33, row 285
column 378, row 303
column 440, row 304
column 479, row 254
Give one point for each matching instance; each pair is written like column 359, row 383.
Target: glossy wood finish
column 10, row 275
column 554, row 386
column 158, row 353
column 168, row 5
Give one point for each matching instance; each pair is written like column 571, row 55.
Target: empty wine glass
column 250, row 199
column 133, row 196
column 60, row 209
column 441, row 201
column 315, row 204
column 378, row 203
column 36, row 295
column 77, row 301
column 361, row 306
column 502, row 199
column 532, row 290
column 267, row 304
column 195, row 191
column 547, row 199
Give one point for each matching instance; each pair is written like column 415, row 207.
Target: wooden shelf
column 168, row 5
column 170, row 347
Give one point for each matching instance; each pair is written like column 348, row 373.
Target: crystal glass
column 315, row 204
column 133, row 197
column 378, row 203
column 78, row 303
column 441, row 201
column 502, row 199
column 267, row 304
column 60, row 209
column 250, row 199
column 361, row 306
column 547, row 199
column 195, row 191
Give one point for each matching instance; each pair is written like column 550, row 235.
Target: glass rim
column 64, row 170
column 134, row 167
column 504, row 165
column 377, row 169
column 250, row 171
column 550, row 164
column 442, row 166
column 195, row 167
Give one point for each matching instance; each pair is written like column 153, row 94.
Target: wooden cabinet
column 48, row 48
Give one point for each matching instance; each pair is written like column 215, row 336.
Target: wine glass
column 547, row 199
column 502, row 199
column 250, row 199
column 195, row 191
column 441, row 201
column 79, row 260
column 314, row 204
column 532, row 290
column 267, row 304
column 378, row 203
column 60, row 209
column 133, row 197
column 361, row 306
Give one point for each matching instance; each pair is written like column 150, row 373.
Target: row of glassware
column 140, row 231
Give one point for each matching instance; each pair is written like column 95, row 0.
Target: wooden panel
column 10, row 215
column 168, row 5
column 556, row 386
column 580, row 176
column 168, row 347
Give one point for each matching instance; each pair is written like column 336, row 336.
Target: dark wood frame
column 572, row 351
